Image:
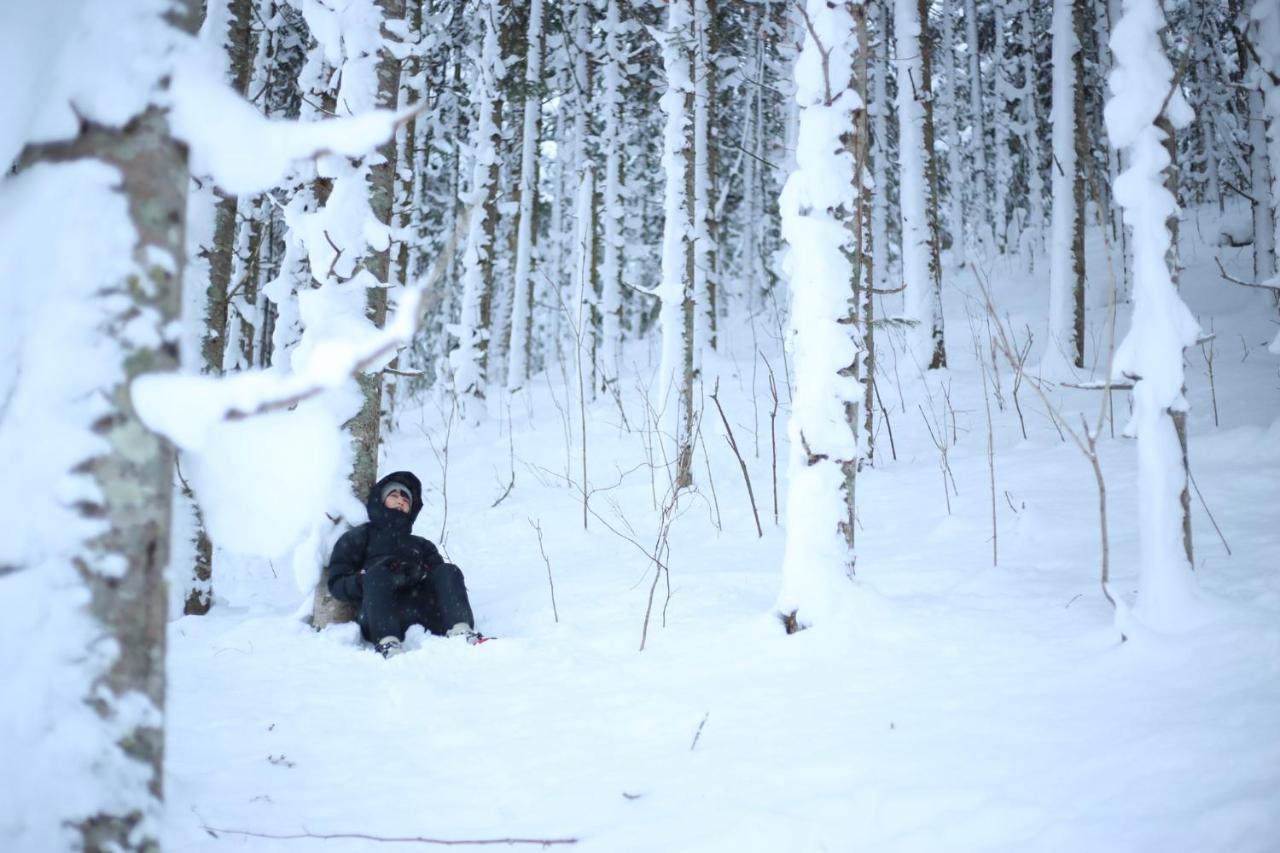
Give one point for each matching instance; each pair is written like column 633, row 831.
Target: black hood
column 379, row 514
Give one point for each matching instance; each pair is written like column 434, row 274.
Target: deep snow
column 961, row 706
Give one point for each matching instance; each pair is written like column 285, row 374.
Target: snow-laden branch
column 184, row 408
column 246, row 152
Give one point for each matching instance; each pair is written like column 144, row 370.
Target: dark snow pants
column 438, row 603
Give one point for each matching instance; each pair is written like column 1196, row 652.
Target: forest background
column 246, row 245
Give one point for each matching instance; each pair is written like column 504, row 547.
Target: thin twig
column 733, row 444
column 544, row 842
column 1269, row 284
column 550, row 580
column 698, row 733
column 1208, row 512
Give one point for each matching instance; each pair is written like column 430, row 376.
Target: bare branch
column 1270, row 284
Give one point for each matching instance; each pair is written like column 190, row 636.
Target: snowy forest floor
column 963, row 706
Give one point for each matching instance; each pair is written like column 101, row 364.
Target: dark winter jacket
column 388, row 535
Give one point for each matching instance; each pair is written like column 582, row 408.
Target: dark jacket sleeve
column 433, row 557
column 345, row 564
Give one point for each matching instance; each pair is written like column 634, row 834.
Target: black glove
column 409, row 574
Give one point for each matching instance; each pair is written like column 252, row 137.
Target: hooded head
column 380, row 514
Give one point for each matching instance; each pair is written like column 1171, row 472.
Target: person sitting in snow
column 398, row 579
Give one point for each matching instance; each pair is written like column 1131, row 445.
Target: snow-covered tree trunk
column 405, row 145
column 106, row 586
column 880, row 109
column 703, row 216
column 1065, row 345
column 584, row 295
column 1260, row 176
column 978, row 143
column 950, row 111
column 1029, row 134
column 360, row 203
column 1264, row 35
column 612, row 213
column 1001, row 158
column 226, row 28
column 825, row 221
column 470, row 359
column 227, row 22
column 675, row 380
column 365, row 427
column 522, row 291
column 243, row 310
column 1152, row 351
column 918, row 188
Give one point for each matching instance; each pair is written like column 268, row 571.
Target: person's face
column 397, row 500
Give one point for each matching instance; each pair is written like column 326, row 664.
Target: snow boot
column 462, row 629
column 389, row 647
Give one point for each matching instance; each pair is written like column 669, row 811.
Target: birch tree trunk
column 611, row 210
column 703, row 216
column 235, row 35
column 1064, row 345
column 978, row 144
column 1029, row 129
column 880, row 160
column 122, row 565
column 1003, row 167
column 470, row 359
column 918, row 187
column 951, row 110
column 675, row 396
column 1260, row 168
column 522, row 290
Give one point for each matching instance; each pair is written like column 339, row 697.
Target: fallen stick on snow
column 214, row 830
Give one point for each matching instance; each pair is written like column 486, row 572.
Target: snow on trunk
column 1029, row 116
column 822, row 222
column 703, row 280
column 951, row 113
column 1264, row 34
column 675, row 380
column 1061, row 345
column 880, row 163
column 978, row 144
column 469, row 360
column 522, row 298
column 1003, row 164
column 913, row 189
column 584, row 302
column 612, row 211
column 1162, row 326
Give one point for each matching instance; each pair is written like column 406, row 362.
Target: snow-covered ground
column 964, row 706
